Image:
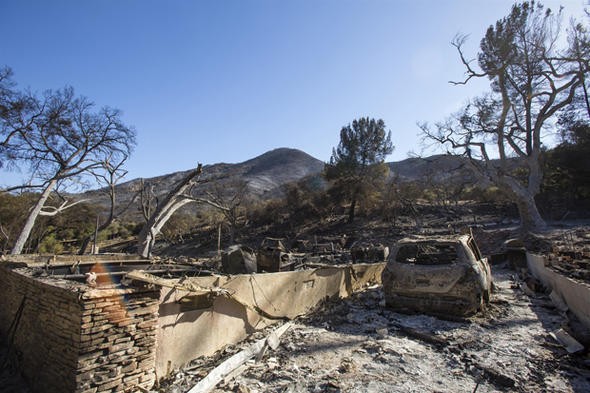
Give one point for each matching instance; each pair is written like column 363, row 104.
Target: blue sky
column 224, row 81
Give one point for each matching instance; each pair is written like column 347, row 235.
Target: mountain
column 436, row 169
column 269, row 171
column 266, row 174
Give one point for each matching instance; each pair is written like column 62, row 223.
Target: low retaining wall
column 575, row 294
column 72, row 338
column 193, row 323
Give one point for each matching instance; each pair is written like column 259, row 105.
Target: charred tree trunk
column 530, row 219
column 85, row 244
column 114, row 174
column 88, row 239
column 523, row 196
column 352, row 209
column 99, row 228
column 30, row 223
column 173, row 201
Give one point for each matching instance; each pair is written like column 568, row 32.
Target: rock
column 383, row 332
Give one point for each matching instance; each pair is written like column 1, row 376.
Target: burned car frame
column 437, row 275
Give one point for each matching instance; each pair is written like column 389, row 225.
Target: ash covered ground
column 357, row 344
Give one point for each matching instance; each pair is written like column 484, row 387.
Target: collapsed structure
column 141, row 320
column 112, row 323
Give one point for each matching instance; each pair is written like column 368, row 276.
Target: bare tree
column 158, row 212
column 148, row 200
column 109, row 174
column 60, row 138
column 174, row 200
column 401, row 197
column 227, row 198
column 532, row 77
column 18, row 112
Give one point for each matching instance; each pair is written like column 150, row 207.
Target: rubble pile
column 570, row 254
column 359, row 345
column 273, row 255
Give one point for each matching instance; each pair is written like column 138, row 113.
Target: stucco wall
column 193, row 324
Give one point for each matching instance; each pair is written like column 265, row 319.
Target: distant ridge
column 267, row 173
column 437, row 168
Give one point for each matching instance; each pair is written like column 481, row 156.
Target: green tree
column 566, row 185
column 356, row 167
column 305, row 200
column 532, row 77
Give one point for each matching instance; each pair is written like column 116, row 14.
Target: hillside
column 267, row 173
column 264, row 174
column 436, row 168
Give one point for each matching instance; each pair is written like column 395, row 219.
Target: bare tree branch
column 532, row 78
column 60, row 139
column 54, row 210
column 458, row 42
column 172, row 202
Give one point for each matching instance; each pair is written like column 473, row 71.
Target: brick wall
column 117, row 341
column 71, row 338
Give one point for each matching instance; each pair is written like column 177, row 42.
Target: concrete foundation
column 575, row 294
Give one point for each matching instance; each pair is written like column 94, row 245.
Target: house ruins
column 136, row 321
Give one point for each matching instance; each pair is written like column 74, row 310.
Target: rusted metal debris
column 368, row 252
column 238, row 259
column 274, row 255
column 437, row 275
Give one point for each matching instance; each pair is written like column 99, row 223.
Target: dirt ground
column 357, row 344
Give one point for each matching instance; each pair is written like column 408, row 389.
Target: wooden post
column 94, row 249
column 219, row 241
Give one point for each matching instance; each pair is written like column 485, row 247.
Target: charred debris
column 478, row 312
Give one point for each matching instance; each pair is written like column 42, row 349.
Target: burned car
column 437, row 275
